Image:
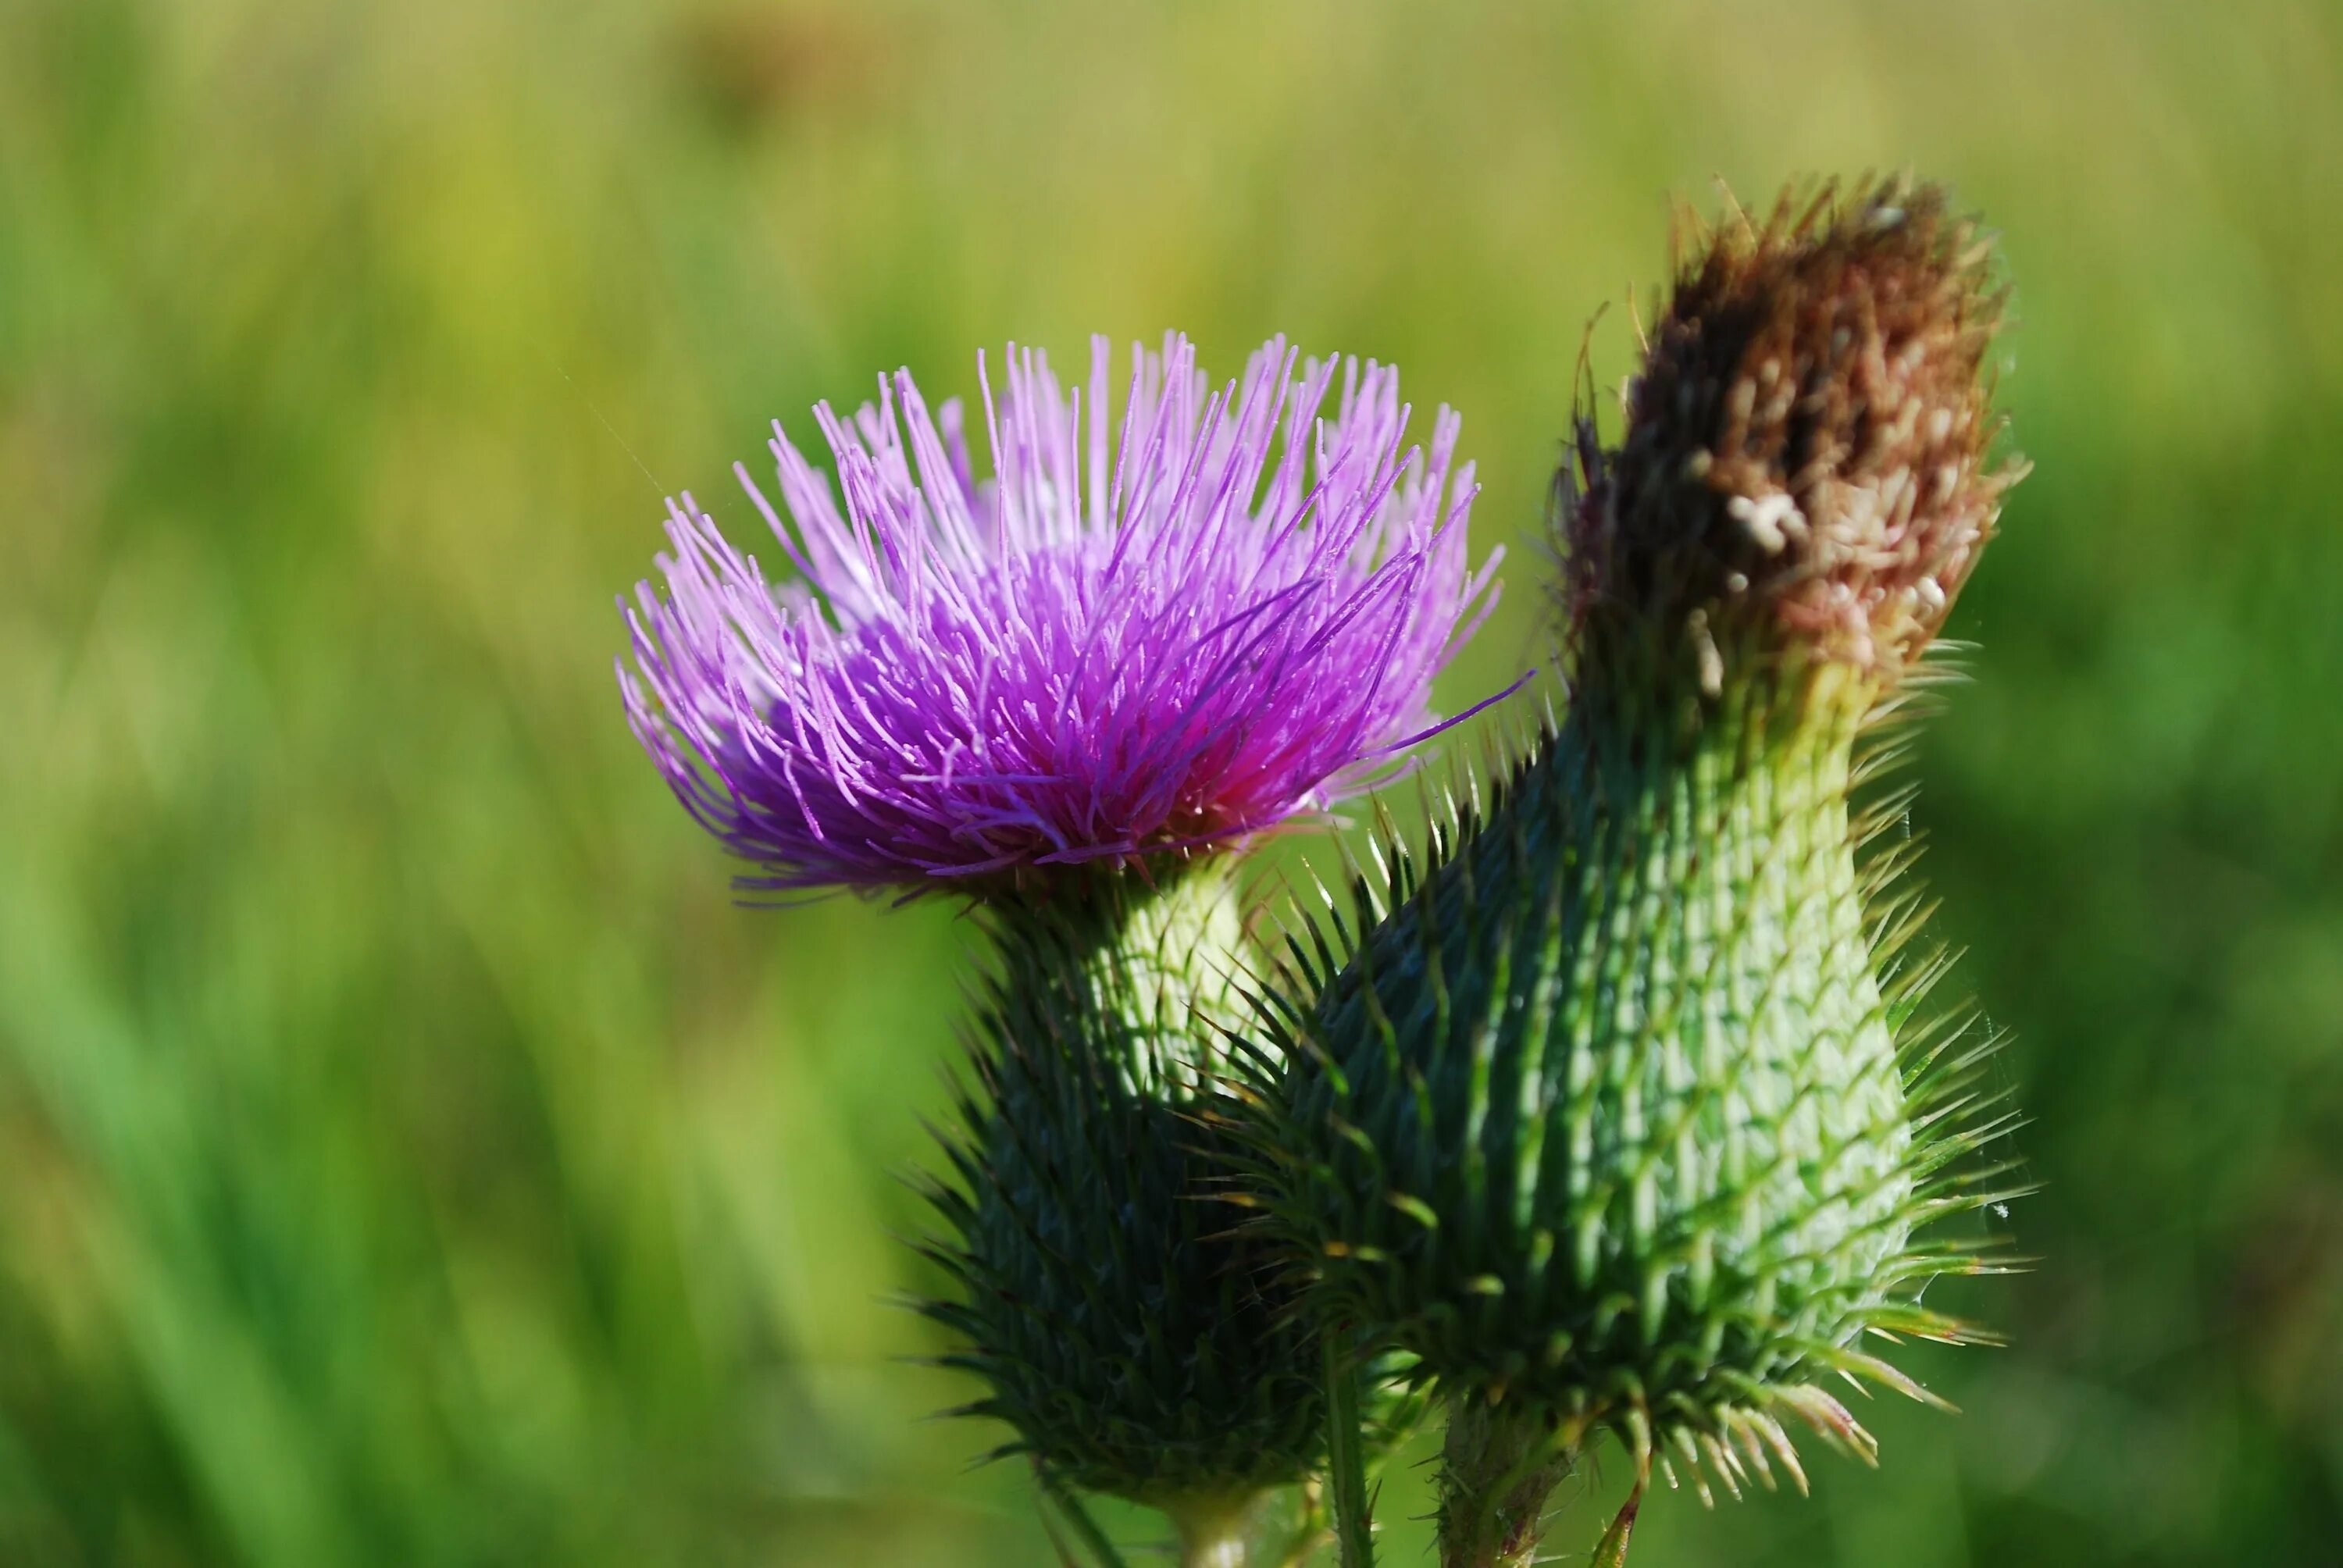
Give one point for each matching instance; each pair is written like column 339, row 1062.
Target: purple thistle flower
column 1076, row 661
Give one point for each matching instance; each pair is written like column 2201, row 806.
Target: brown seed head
column 1805, row 450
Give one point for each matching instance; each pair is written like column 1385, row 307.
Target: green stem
column 1077, row 1518
column 1500, row 1465
column 1215, row 1532
column 1346, row 1460
column 1611, row 1551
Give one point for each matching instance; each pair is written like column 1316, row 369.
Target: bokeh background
column 408, row 1153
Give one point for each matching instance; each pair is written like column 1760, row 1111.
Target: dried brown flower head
column 1806, row 443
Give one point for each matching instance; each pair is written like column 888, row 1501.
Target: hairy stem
column 1077, row 1518
column 1611, row 1551
column 1215, row 1532
column 1501, row 1463
column 1346, row 1458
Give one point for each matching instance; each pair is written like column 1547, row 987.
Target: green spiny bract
column 1618, row 1114
column 1133, row 1344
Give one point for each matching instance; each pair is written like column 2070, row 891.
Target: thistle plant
column 1071, row 695
column 1620, row 1111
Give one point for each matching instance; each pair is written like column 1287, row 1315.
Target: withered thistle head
column 1804, row 464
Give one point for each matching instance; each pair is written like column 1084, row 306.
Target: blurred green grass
column 408, row 1152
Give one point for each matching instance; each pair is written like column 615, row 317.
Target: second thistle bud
column 1619, row 1118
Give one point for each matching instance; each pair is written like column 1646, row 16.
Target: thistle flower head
column 1805, row 449
column 1147, row 633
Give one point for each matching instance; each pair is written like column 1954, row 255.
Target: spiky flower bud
column 1619, row 1116
column 1129, row 1341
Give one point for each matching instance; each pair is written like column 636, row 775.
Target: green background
column 408, row 1153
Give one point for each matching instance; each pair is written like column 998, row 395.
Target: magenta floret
column 1232, row 624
